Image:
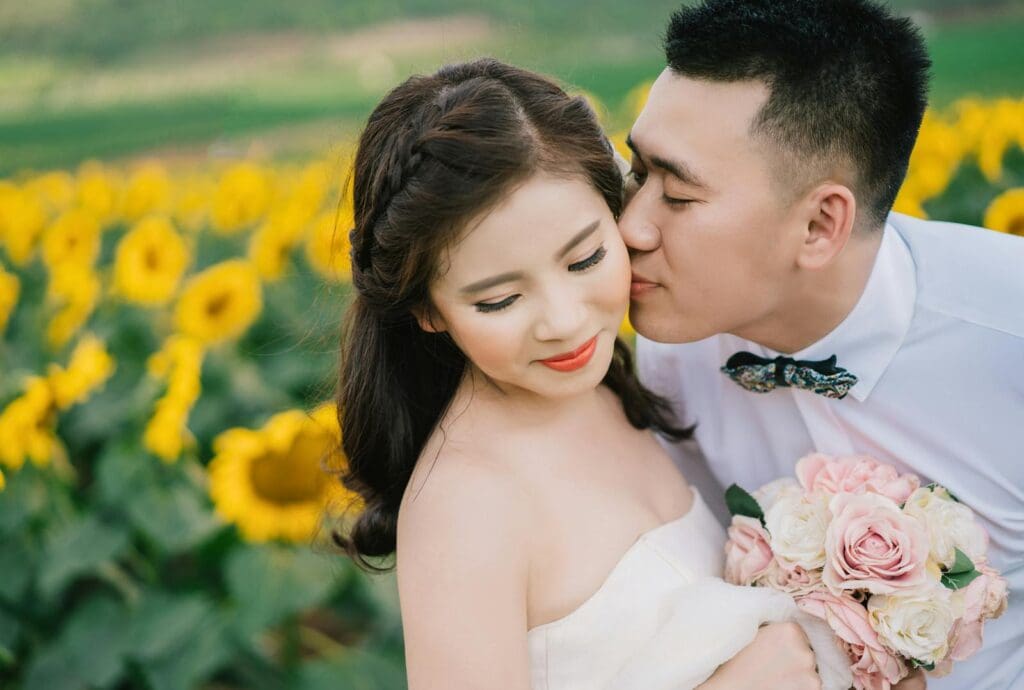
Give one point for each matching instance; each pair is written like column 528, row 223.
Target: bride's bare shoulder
column 462, row 503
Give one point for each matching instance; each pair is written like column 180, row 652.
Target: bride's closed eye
column 591, row 261
column 584, row 265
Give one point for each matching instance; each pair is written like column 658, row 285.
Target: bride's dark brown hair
column 438, row 151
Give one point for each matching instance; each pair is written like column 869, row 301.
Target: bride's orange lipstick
column 571, row 361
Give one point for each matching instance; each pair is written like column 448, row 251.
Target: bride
column 504, row 449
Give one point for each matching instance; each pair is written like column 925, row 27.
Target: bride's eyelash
column 488, row 307
column 590, row 261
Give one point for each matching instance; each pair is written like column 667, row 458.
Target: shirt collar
column 871, row 334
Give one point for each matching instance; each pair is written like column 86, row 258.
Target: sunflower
column 89, row 367
column 10, row 287
column 98, row 190
column 56, row 189
column 74, row 291
column 180, row 363
column 74, row 237
column 271, row 482
column 1006, row 212
column 242, row 197
column 271, row 245
column 26, row 427
column 327, row 248
column 149, row 262
column 148, row 191
column 220, row 303
column 191, row 202
column 24, row 217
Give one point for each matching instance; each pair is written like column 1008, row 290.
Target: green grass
column 984, row 58
column 980, row 57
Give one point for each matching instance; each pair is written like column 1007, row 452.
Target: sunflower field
column 169, row 449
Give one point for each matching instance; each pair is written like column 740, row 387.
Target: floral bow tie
column 762, row 375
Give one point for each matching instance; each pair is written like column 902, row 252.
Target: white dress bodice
column 663, row 619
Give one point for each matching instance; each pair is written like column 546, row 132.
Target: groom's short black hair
column 847, row 80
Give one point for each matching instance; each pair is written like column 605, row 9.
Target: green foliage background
column 119, row 575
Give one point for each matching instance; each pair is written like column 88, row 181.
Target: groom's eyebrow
column 677, row 168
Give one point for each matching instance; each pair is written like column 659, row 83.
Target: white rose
column 768, row 494
column 797, row 525
column 916, row 624
column 950, row 525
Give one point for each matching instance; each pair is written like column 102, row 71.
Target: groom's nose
column 638, row 232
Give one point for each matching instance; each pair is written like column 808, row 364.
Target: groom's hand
column 780, row 657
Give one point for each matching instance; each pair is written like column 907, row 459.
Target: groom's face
column 710, row 232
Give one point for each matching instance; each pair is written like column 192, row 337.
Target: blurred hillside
column 114, row 78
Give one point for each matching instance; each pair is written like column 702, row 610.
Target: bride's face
column 534, row 292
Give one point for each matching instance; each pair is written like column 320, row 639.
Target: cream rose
column 797, row 526
column 950, row 525
column 771, row 492
column 916, row 624
column 747, row 553
column 870, row 544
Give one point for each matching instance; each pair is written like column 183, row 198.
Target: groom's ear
column 831, row 210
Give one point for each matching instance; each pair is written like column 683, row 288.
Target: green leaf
column 88, row 651
column 961, row 573
column 77, row 548
column 122, row 470
column 157, row 500
column 935, row 485
column 26, row 496
column 742, row 503
column 175, row 518
column 959, row 581
column 920, row 664
column 160, row 622
column 961, row 564
column 19, row 557
column 185, row 665
column 268, row 583
column 355, row 670
column 10, row 630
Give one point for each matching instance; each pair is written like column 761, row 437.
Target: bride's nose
column 561, row 315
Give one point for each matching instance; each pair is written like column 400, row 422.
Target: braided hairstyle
column 438, row 151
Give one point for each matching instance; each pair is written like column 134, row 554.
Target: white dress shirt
column 937, row 343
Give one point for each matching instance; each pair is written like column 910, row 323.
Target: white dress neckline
column 640, row 540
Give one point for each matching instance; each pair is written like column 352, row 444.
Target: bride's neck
column 525, row 407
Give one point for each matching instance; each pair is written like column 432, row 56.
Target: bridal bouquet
column 897, row 570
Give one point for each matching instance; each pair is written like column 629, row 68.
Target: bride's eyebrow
column 577, row 238
column 486, row 283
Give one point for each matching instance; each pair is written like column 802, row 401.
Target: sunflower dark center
column 293, row 476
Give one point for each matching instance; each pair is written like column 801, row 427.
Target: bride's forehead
column 538, row 216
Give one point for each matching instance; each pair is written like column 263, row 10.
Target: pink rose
column 985, row 597
column 791, row 579
column 874, row 667
column 870, row 544
column 856, row 474
column 747, row 553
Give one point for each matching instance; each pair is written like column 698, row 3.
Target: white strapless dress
column 665, row 620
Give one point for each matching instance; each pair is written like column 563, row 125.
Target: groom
column 765, row 165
